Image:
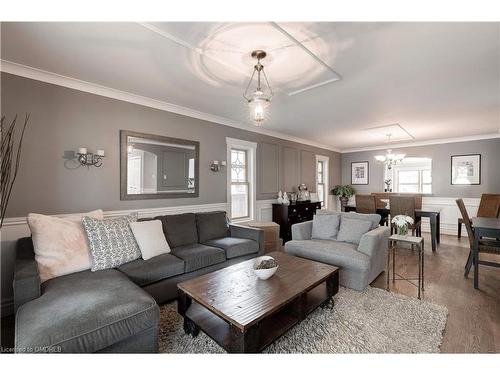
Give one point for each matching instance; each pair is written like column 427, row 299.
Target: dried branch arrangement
column 10, row 157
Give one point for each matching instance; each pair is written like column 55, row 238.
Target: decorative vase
column 280, row 197
column 343, row 202
column 403, row 230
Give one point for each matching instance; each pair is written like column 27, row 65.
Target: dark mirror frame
column 124, row 196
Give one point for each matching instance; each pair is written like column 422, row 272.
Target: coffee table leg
column 332, row 287
column 244, row 341
column 183, row 303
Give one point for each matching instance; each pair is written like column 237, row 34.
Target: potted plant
column 344, row 192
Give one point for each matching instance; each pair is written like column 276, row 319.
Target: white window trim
column 251, row 148
column 410, row 167
column 326, row 177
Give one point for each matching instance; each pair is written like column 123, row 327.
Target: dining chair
column 365, row 204
column 485, row 245
column 405, row 205
column 489, row 206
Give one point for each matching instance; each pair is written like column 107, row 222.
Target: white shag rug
column 372, row 321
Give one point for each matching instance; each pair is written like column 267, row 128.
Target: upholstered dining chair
column 365, row 204
column 489, row 206
column 401, row 205
column 485, row 246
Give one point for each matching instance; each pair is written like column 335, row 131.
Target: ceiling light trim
column 389, row 125
column 109, row 92
column 197, row 50
column 310, row 53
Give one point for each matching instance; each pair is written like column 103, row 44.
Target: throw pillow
column 111, row 241
column 60, row 244
column 150, row 238
column 351, row 230
column 325, row 227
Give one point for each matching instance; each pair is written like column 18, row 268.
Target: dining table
column 483, row 227
column 433, row 213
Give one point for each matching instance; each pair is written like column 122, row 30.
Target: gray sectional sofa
column 359, row 263
column 116, row 310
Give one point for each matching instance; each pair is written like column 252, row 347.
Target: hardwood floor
column 474, row 315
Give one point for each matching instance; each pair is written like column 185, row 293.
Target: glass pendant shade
column 258, row 93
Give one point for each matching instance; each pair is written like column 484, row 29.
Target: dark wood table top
column 486, row 222
column 423, row 210
column 238, row 296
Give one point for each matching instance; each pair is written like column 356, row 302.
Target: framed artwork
column 466, row 169
column 359, row 173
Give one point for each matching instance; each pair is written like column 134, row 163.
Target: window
column 239, row 184
column 413, row 175
column 322, row 179
column 321, row 182
column 241, row 162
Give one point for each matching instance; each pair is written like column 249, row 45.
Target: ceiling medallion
column 259, row 98
column 390, row 159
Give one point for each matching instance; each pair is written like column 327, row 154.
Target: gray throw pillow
column 325, row 227
column 111, row 241
column 351, row 230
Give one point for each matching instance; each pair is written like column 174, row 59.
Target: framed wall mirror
column 157, row 167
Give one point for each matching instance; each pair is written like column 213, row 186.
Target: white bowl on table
column 264, row 273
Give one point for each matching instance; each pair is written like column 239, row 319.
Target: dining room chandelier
column 258, row 93
column 390, row 159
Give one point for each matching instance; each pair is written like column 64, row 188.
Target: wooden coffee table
column 244, row 314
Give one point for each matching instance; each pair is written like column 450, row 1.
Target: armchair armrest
column 302, row 231
column 250, row 233
column 374, row 241
column 26, row 277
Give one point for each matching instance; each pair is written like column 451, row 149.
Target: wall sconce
column 87, row 158
column 217, row 165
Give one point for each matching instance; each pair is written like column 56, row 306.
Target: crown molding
column 96, row 89
column 424, row 143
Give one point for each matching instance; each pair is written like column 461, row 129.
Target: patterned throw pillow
column 111, row 241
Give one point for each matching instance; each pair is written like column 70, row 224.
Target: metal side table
column 414, row 242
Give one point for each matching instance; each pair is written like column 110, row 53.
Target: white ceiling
column 337, row 84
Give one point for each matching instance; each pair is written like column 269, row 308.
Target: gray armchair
column 359, row 264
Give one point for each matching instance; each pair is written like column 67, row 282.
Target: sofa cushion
column 84, row 312
column 340, row 254
column 196, row 256
column 212, row 225
column 235, row 247
column 325, row 227
column 144, row 272
column 111, row 241
column 179, row 229
column 374, row 219
column 351, row 230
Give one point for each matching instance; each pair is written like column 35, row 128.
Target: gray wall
column 441, row 167
column 64, row 119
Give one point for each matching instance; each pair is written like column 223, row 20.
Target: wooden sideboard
column 287, row 215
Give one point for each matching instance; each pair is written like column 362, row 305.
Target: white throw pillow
column 150, row 238
column 60, row 244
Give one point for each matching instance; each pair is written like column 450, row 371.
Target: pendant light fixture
column 258, row 98
column 390, row 159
